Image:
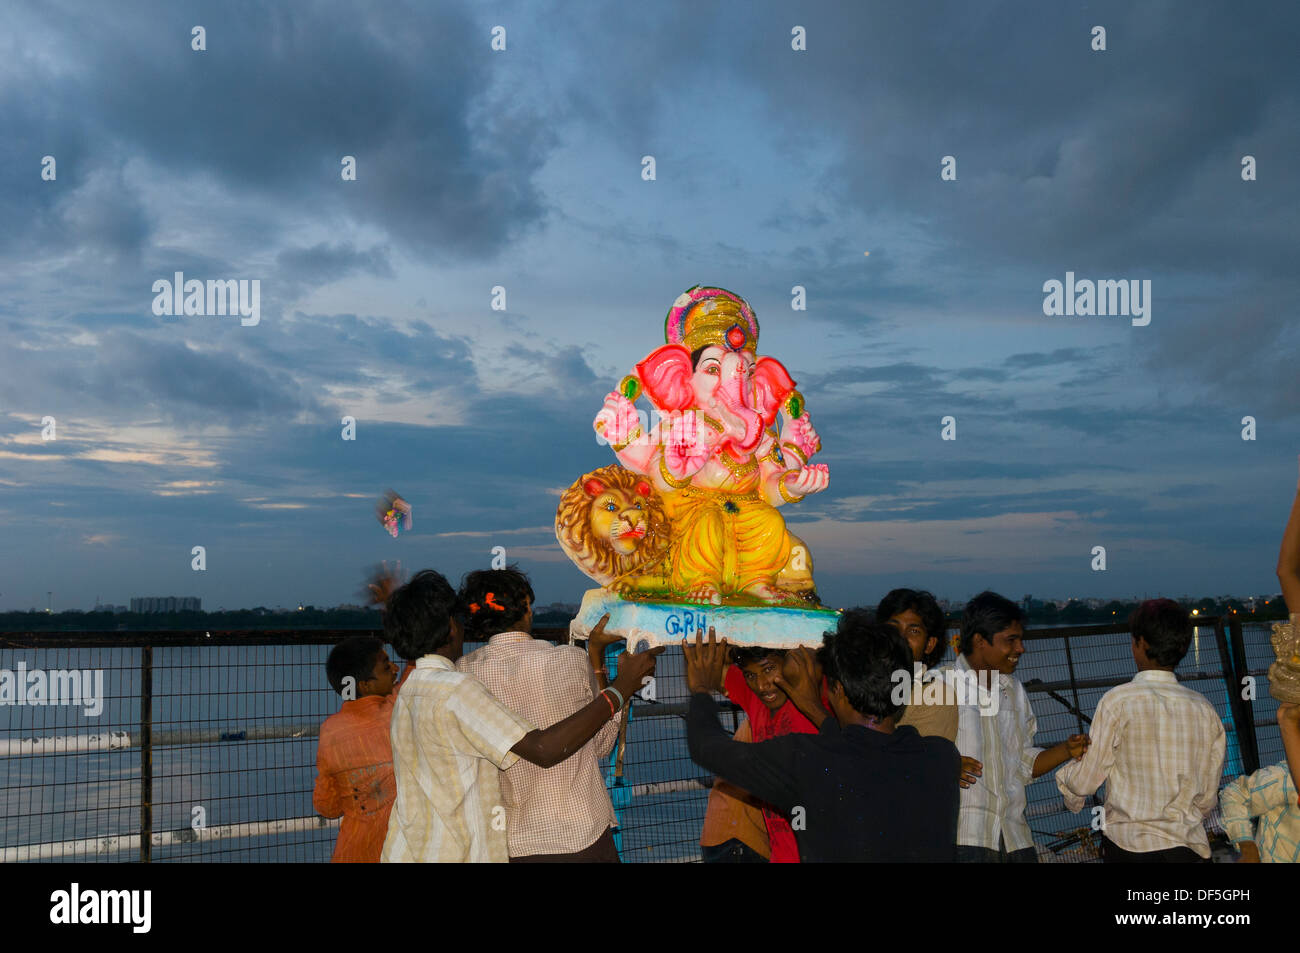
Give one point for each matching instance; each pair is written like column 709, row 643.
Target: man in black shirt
column 862, row 788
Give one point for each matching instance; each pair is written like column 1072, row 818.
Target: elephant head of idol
column 710, row 365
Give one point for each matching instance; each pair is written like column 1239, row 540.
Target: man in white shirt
column 1159, row 749
column 554, row 815
column 991, row 826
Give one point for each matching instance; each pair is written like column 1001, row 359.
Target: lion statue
column 611, row 523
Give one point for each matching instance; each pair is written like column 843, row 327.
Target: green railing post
column 1248, row 740
column 1236, row 713
column 146, row 752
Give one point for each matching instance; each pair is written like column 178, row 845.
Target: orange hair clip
column 491, row 604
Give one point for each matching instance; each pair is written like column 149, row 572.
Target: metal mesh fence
column 67, row 776
column 231, row 745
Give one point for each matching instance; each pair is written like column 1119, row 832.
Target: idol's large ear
column 666, row 376
column 772, row 385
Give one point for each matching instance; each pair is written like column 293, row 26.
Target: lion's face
column 619, row 518
column 608, row 520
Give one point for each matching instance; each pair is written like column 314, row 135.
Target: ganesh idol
column 694, row 505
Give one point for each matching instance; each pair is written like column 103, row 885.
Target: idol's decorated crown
column 703, row 317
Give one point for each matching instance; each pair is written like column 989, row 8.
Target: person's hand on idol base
column 598, row 639
column 635, row 669
column 705, row 662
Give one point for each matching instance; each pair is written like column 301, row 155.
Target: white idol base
column 665, row 623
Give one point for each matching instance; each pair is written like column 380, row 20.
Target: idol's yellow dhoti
column 730, row 541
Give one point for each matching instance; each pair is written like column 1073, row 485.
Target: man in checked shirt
column 1157, row 745
column 560, row 814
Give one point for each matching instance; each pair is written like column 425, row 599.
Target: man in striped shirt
column 1157, row 746
column 553, row 815
column 999, row 737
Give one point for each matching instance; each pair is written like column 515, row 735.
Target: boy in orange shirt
column 354, row 757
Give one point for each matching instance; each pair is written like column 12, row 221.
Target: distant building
column 166, row 604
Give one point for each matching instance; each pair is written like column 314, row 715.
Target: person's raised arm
column 1075, row 746
column 1288, row 559
column 597, row 641
column 801, row 679
column 1288, row 720
column 548, row 747
column 766, row 769
column 1084, row 776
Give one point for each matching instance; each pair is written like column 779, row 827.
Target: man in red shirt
column 754, row 682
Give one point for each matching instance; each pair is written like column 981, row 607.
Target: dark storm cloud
column 270, row 108
column 922, row 390
column 363, row 351
column 224, row 374
column 891, row 373
column 1064, row 355
column 565, row 370
column 1067, row 150
column 102, row 319
column 187, row 385
column 1117, row 163
column 329, row 262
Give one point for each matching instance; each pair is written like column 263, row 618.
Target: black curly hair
column 494, row 601
column 418, row 616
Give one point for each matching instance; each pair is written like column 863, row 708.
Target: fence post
column 1074, row 686
column 1248, row 740
column 146, row 752
column 1236, row 714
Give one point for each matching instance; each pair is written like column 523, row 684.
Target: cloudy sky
column 523, row 168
